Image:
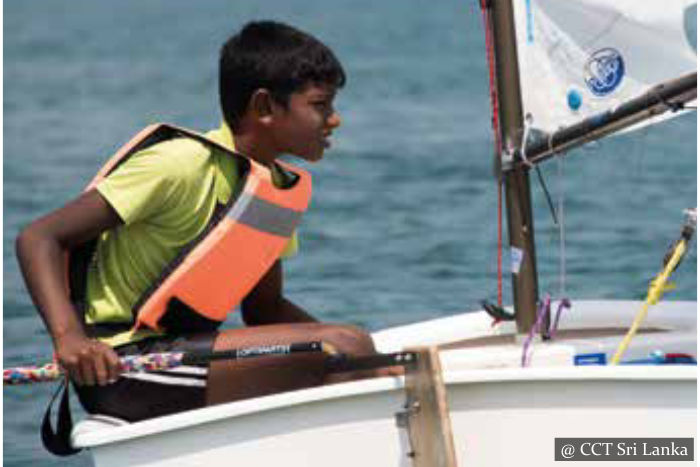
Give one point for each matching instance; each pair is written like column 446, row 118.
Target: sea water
column 403, row 224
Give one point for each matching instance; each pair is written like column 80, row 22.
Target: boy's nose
column 334, row 120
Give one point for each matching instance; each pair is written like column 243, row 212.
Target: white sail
column 578, row 58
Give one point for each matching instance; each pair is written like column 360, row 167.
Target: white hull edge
column 492, row 403
column 354, row 424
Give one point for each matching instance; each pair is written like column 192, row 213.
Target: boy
column 277, row 86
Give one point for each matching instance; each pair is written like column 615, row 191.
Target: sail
column 578, row 58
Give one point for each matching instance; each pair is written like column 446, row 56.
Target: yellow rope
column 656, row 290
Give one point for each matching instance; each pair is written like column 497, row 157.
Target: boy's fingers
column 114, row 365
column 87, row 371
column 100, row 366
column 74, row 373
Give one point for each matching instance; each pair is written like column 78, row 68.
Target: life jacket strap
column 57, row 441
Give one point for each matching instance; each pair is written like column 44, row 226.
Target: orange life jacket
column 215, row 272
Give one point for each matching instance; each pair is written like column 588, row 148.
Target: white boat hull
column 501, row 415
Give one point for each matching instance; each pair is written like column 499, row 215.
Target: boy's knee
column 349, row 339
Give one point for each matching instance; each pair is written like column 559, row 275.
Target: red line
column 495, row 123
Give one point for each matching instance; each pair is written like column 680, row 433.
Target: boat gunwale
column 217, row 413
column 474, row 324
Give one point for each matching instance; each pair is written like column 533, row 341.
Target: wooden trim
column 427, row 416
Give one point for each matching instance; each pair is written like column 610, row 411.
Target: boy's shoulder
column 180, row 154
column 179, row 150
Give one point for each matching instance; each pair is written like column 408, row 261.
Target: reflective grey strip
column 264, row 216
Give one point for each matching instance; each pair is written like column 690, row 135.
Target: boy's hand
column 87, row 361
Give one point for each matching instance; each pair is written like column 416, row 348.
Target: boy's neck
column 247, row 144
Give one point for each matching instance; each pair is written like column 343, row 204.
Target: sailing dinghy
column 504, row 389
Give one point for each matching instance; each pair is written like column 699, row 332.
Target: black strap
column 340, row 363
column 496, row 312
column 58, row 442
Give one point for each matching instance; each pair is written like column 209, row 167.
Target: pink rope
column 564, row 303
column 536, row 326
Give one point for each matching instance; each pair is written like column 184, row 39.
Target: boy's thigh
column 139, row 396
column 231, row 380
column 344, row 338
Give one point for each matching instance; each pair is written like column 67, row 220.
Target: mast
column 511, row 168
column 517, row 180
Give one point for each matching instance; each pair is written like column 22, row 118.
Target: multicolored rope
column 130, row 364
column 152, row 362
column 31, row 374
column 167, row 360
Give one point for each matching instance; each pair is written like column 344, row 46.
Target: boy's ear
column 261, row 105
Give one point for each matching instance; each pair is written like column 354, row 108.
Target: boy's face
column 303, row 128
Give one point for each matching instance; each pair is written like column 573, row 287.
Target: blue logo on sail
column 604, row 71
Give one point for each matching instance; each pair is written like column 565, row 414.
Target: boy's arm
column 41, row 248
column 266, row 305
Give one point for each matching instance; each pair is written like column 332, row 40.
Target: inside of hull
column 562, row 335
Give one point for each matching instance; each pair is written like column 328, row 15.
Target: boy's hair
column 274, row 56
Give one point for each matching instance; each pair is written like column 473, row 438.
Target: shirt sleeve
column 146, row 184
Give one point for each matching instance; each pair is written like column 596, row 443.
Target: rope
column 562, row 242
column 548, row 197
column 658, row 285
column 500, row 244
column 544, row 309
column 656, row 290
column 564, row 303
column 167, row 360
column 131, row 363
column 495, row 124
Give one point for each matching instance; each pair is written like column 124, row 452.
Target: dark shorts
column 139, row 396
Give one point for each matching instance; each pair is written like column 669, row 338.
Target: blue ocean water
column 403, row 223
